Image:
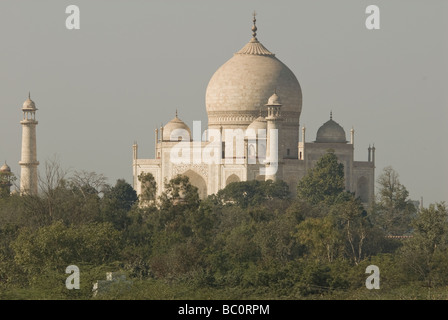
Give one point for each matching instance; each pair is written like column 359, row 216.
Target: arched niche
column 197, row 181
column 232, row 178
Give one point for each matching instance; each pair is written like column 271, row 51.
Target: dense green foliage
column 324, row 183
column 250, row 240
column 394, row 210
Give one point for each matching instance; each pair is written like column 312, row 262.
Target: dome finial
column 254, row 47
column 29, row 95
column 176, row 113
column 254, row 27
column 331, row 115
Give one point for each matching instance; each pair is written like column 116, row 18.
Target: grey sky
column 133, row 63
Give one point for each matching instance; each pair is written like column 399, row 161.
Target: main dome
column 244, row 83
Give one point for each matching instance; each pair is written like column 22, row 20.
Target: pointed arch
column 251, row 150
column 198, row 181
column 232, row 178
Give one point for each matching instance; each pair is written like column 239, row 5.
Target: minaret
column 28, row 163
column 274, row 152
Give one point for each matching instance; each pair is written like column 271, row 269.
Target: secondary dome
column 331, row 132
column 245, row 82
column 258, row 124
column 176, row 129
column 5, row 168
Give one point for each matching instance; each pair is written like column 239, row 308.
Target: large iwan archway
column 197, row 181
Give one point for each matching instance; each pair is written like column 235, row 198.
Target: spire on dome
column 254, row 46
column 254, row 27
column 331, row 115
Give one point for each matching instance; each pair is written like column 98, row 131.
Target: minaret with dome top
column 28, row 162
column 274, row 139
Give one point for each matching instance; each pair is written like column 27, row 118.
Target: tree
column 83, row 196
column 88, row 182
column 354, row 227
column 278, row 189
column 122, row 195
column 117, row 202
column 149, row 187
column 52, row 248
column 320, row 237
column 179, row 191
column 253, row 192
column 425, row 254
column 73, row 199
column 324, row 182
column 393, row 210
column 275, row 240
column 51, row 184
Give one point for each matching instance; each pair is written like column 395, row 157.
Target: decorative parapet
column 202, row 169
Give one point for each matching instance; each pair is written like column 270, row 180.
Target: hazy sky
column 133, row 63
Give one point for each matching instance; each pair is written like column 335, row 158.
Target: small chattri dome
column 274, row 100
column 5, row 168
column 29, row 104
column 258, row 124
column 331, row 132
column 176, row 128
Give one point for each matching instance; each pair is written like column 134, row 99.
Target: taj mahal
column 253, row 104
